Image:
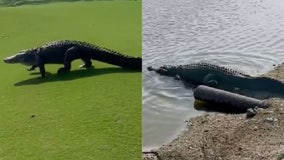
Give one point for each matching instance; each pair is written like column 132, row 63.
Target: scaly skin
column 65, row 51
column 225, row 79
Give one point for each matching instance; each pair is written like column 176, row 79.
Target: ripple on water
column 244, row 35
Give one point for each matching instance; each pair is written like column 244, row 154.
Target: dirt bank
column 231, row 136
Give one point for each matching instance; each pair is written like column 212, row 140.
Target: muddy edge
column 230, row 136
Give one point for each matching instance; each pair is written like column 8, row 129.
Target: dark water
column 244, row 35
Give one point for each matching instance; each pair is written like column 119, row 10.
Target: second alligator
column 225, row 79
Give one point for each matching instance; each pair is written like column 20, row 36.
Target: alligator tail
column 118, row 59
column 270, row 84
column 133, row 63
column 264, row 87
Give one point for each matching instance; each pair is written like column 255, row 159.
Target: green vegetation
column 23, row 2
column 281, row 156
column 84, row 114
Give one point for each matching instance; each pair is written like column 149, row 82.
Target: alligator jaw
column 162, row 70
column 23, row 57
column 5, row 60
column 151, row 69
column 10, row 59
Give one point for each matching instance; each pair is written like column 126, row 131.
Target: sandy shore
column 230, row 136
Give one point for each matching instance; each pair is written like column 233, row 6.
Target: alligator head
column 25, row 57
column 165, row 70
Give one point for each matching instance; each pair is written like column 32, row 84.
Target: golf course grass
column 84, row 114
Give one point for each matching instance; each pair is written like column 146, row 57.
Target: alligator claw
column 31, row 68
column 84, row 66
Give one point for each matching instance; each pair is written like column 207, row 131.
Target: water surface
column 244, row 35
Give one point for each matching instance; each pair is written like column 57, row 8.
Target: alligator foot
column 31, row 68
column 177, row 78
column 61, row 70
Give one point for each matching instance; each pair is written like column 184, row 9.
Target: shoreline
column 230, row 136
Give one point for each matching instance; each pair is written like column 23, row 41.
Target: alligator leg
column 210, row 80
column 32, row 68
column 42, row 70
column 40, row 65
column 177, row 77
column 70, row 55
column 87, row 63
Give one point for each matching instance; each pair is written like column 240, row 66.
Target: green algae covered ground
column 84, row 114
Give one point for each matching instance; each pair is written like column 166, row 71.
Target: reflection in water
column 244, row 35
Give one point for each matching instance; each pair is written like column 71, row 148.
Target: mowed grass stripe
column 85, row 114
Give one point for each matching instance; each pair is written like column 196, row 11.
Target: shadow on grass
column 76, row 74
column 14, row 3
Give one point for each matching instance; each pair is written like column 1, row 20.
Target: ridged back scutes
column 211, row 67
column 85, row 44
column 222, row 69
column 30, row 50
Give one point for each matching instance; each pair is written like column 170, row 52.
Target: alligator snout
column 11, row 59
column 6, row 60
column 150, row 69
column 161, row 70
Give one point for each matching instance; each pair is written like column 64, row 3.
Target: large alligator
column 225, row 79
column 65, row 51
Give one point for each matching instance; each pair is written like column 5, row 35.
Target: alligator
column 65, row 51
column 223, row 78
